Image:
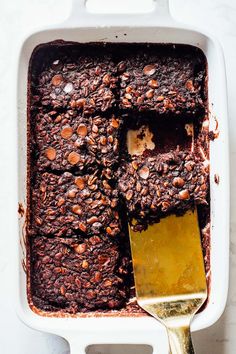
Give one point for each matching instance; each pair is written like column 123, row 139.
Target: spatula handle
column 180, row 340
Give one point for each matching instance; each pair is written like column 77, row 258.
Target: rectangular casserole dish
column 155, row 27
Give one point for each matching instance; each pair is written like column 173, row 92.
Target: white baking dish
column 157, row 27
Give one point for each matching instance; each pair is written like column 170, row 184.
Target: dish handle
column 78, row 344
column 91, row 13
column 76, row 347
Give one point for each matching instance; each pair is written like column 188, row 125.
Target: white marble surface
column 17, row 18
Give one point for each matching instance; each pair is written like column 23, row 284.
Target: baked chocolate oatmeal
column 87, row 273
column 155, row 186
column 88, row 103
column 86, row 84
column 65, row 204
column 163, row 81
column 68, row 140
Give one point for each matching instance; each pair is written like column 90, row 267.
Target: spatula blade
column 168, row 260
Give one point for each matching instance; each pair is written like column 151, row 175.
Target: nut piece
column 62, row 290
column 129, row 194
column 57, row 80
column 178, row 182
column 153, row 83
column 107, row 283
column 81, row 248
column 189, row 165
column 121, row 67
column 57, row 119
column 66, row 132
column 72, row 193
column 92, row 220
column 97, row 277
column 82, row 227
column 79, row 181
column 85, row 264
column 76, row 209
column 115, row 123
column 94, row 128
column 134, row 165
column 80, row 103
column 73, row 158
column 144, row 172
column 184, row 194
column 109, row 230
column 106, row 185
column 60, row 202
column 50, row 153
column 189, row 85
column 149, row 70
column 149, row 93
column 103, row 140
column 106, row 79
column 82, row 130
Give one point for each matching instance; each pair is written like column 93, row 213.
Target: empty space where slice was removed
column 148, row 135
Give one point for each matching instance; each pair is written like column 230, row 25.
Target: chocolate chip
column 82, row 130
column 50, row 153
column 149, row 70
column 153, row 83
column 73, row 158
column 57, row 80
column 178, row 182
column 68, row 87
column 184, row 194
column 144, row 172
column 79, row 181
column 66, row 132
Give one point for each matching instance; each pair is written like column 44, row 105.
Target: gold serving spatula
column 169, row 271
column 169, row 275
